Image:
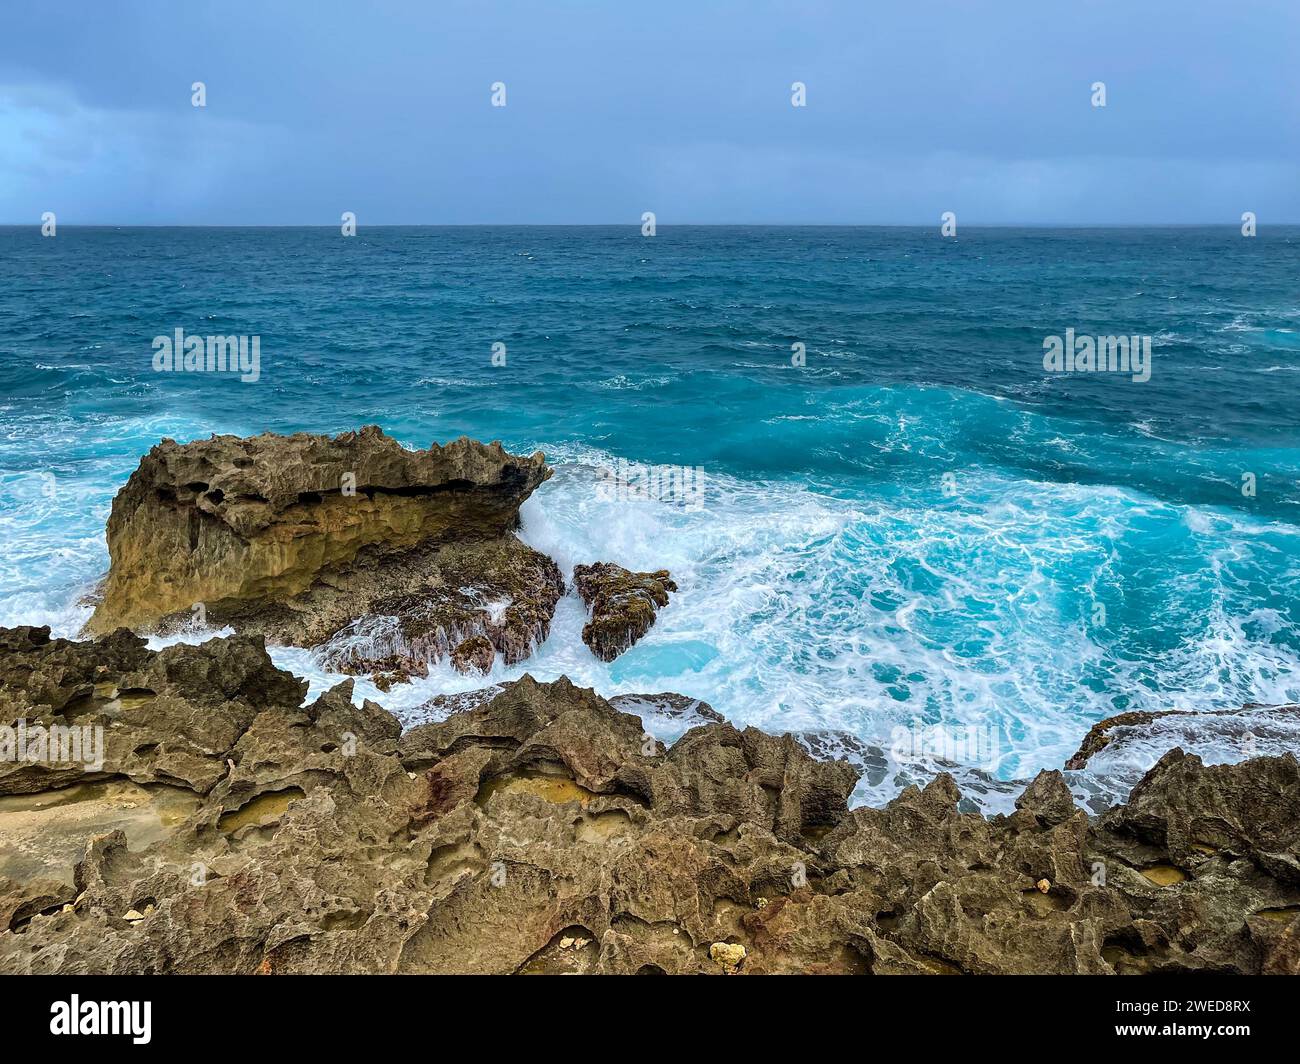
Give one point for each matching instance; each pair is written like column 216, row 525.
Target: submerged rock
column 397, row 555
column 534, row 829
column 1099, row 735
column 623, row 605
column 667, row 713
column 1249, row 729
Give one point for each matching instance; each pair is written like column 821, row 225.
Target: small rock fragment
column 728, row 955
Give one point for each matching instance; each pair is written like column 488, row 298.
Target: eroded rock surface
column 467, row 601
column 1249, row 726
column 534, row 830
column 623, row 605
column 667, row 716
column 397, row 556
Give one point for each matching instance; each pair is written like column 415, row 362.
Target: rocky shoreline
column 531, row 827
column 232, row 829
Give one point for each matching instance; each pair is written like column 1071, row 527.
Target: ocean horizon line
column 1091, row 226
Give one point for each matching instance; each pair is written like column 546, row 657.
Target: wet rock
column 1099, row 736
column 475, row 654
column 1250, row 729
column 623, row 605
column 386, row 672
column 389, row 558
column 440, row 707
column 534, row 829
column 501, row 591
column 869, row 760
column 667, row 716
column 691, row 711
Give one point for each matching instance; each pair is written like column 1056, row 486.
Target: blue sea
column 915, row 529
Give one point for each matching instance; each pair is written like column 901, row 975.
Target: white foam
column 802, row 611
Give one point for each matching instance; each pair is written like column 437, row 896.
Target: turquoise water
column 914, row 529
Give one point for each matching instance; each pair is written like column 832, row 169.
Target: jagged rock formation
column 299, row 537
column 535, row 829
column 667, row 716
column 465, row 600
column 623, row 605
column 1251, row 724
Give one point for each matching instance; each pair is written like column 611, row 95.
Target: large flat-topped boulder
column 238, row 525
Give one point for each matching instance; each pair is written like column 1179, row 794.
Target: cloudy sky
column 615, row 107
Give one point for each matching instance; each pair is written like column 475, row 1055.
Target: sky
column 618, row 107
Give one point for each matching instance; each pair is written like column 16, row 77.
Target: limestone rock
column 533, row 830
column 666, row 715
column 500, row 591
column 1099, row 736
column 167, row 718
column 691, row 711
column 387, row 558
column 474, row 654
column 623, row 605
column 1241, row 727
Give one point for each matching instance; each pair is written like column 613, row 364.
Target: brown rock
column 1099, row 737
column 499, row 589
column 387, row 558
column 1236, row 726
column 230, row 519
column 475, row 654
column 623, row 605
column 534, row 830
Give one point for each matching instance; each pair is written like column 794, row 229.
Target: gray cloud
column 678, row 107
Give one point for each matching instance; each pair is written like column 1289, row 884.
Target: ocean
column 918, row 528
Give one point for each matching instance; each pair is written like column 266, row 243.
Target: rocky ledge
column 397, row 556
column 229, row 828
